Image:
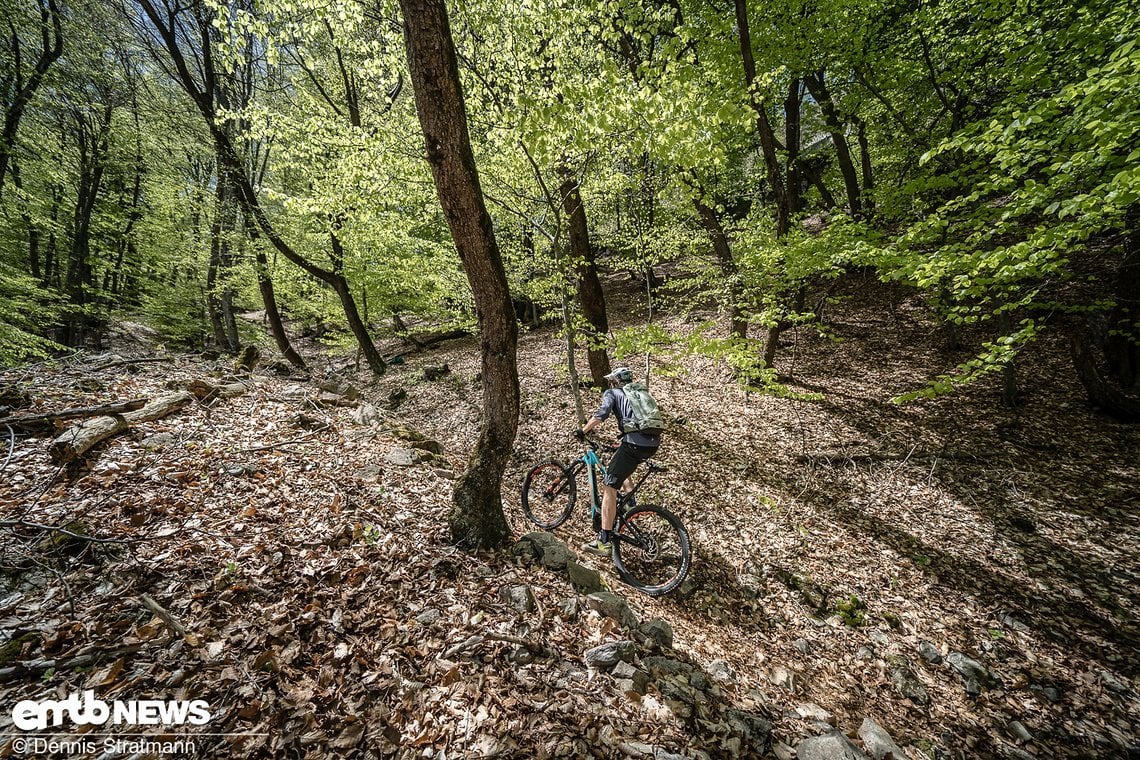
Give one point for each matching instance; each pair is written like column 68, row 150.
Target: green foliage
column 24, row 309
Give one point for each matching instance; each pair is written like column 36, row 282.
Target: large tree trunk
column 477, row 515
column 272, row 313
column 817, row 86
column 590, row 293
column 792, row 144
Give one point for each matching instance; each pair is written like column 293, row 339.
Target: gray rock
column 906, row 683
column 584, row 578
column 878, row 638
column 370, row 473
column 720, row 670
column 783, row 751
column 975, row 675
column 613, row 606
column 555, row 557
column 519, row 597
column 630, row 678
column 659, row 631
column 405, row 457
column 664, row 754
column 784, row 678
column 754, row 731
column 929, row 652
column 1018, row 731
column 699, row 681
column 803, row 646
column 830, row 746
column 366, row 415
column 865, row 653
column 605, row 656
column 444, row 473
column 663, row 666
column 878, row 742
column 427, row 617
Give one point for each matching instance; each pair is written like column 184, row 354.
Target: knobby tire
column 548, row 494
column 651, row 550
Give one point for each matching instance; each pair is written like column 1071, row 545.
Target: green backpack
column 647, row 417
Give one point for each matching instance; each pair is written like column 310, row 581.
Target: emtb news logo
column 34, row 715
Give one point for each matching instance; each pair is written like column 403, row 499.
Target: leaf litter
column 325, row 612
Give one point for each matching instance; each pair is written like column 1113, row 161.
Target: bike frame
column 593, row 465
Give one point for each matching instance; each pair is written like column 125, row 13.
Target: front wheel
column 651, row 550
column 548, row 494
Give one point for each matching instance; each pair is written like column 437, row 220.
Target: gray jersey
column 614, row 401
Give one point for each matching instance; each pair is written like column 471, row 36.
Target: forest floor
column 847, row 551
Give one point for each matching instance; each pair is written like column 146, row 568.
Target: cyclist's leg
column 621, row 466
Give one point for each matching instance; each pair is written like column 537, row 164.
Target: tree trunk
column 51, row 37
column 817, row 86
column 1121, row 347
column 722, row 252
column 590, row 293
column 865, row 162
column 272, row 314
column 792, row 144
column 477, row 518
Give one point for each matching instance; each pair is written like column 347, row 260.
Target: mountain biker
column 636, row 447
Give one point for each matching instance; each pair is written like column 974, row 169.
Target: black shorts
column 625, row 460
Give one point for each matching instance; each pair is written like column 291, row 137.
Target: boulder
column 658, row 631
column 878, row 742
column 906, row 683
column 406, row 457
column 929, row 652
column 585, row 579
column 630, row 678
column 830, row 746
column 519, row 597
column 974, row 675
column 612, row 606
column 606, row 656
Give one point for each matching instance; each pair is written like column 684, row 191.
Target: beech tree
column 477, row 517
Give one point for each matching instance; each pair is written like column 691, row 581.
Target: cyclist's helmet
column 621, row 374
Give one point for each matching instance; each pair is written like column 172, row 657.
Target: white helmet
column 621, row 374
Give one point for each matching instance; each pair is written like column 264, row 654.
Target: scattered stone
column 158, row 441
column 519, row 597
column 973, row 673
column 613, row 606
column 754, row 731
column 544, row 547
column 569, row 608
column 444, row 472
column 664, row 754
column 429, row 616
column 906, row 683
column 630, row 678
column 405, row 457
column 803, row 646
column 555, row 557
column 720, row 670
column 435, row 373
column 663, row 666
column 813, row 712
column 700, row 681
column 366, row 415
column 865, row 653
column 340, row 387
column 878, row 638
column 660, row 631
column 606, row 656
column 830, row 746
column 1019, row 732
column 929, row 652
column 878, row 742
column 585, row 579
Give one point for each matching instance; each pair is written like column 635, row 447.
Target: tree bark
column 476, row 518
column 722, row 252
column 817, row 86
column 51, row 48
column 78, row 440
column 590, row 293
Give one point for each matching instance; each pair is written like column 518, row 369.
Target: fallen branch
column 41, row 420
column 203, row 390
column 76, row 441
column 36, row 667
column 170, row 621
column 68, row 532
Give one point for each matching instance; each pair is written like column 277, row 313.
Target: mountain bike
column 651, row 546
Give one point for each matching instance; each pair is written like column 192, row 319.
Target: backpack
column 647, row 417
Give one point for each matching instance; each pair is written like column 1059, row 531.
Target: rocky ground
column 940, row 579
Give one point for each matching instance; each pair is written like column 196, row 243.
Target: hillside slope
column 853, row 560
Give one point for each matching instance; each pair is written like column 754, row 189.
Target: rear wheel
column 548, row 494
column 651, row 550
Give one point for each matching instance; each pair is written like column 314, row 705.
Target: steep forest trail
column 853, row 557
